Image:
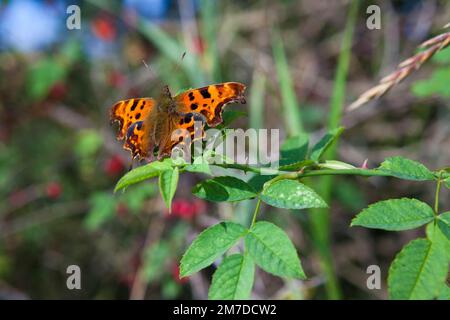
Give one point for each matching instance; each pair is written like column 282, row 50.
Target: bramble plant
column 419, row 270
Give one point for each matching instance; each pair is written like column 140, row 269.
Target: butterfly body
column 146, row 123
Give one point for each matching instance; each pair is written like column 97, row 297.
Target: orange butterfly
column 146, row 123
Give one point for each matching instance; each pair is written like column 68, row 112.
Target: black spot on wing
column 191, row 96
column 194, row 106
column 205, row 93
column 134, row 105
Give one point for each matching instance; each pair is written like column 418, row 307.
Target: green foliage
column 291, row 194
column 406, row 169
column 415, row 273
column 233, row 279
column 418, row 271
column 443, row 222
column 322, row 146
column 224, row 189
column 294, row 150
column 210, row 245
column 272, row 250
column 142, row 173
column 395, row 214
column 168, row 181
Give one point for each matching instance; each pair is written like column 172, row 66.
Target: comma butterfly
column 146, row 123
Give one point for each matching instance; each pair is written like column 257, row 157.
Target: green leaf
column 257, row 182
column 229, row 116
column 327, row 140
column 418, row 271
column 139, row 174
column 447, row 183
column 209, row 245
column 395, row 214
column 291, row 194
column 233, row 280
column 443, row 223
column 294, row 150
column 168, row 181
column 224, row 189
column 444, row 293
column 406, row 169
column 272, row 250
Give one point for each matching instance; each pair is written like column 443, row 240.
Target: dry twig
column 404, row 69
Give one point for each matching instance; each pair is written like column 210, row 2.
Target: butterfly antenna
column 178, row 65
column 148, row 67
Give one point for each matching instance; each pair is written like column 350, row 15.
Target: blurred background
column 59, row 160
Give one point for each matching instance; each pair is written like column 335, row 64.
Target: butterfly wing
column 180, row 128
column 210, row 100
column 127, row 112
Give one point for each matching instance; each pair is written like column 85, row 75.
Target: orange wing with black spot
column 127, row 112
column 180, row 128
column 210, row 101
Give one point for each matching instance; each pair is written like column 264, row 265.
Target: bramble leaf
column 168, row 181
column 233, row 279
column 327, row 140
column 224, row 189
column 406, row 169
column 139, row 174
column 272, row 250
column 443, row 223
column 294, row 150
column 291, row 194
column 418, row 271
column 209, row 245
column 395, row 214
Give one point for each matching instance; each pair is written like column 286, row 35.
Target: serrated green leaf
column 327, row 140
column 444, row 292
column 257, row 182
column 418, row 271
column 294, row 150
column 291, row 194
column 168, row 182
column 224, row 189
column 406, row 169
column 395, row 214
column 209, row 245
column 272, row 250
column 233, row 279
column 443, row 223
column 139, row 174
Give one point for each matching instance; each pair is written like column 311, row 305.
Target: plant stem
column 436, row 198
column 255, row 213
column 297, row 175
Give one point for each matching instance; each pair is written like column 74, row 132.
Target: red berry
column 114, row 165
column 53, row 190
column 103, row 28
column 58, row 91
